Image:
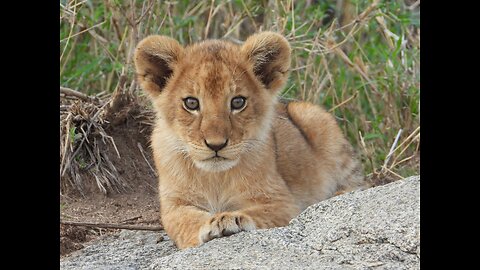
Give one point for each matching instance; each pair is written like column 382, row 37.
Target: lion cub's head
column 216, row 96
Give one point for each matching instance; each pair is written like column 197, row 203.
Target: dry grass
column 359, row 59
column 82, row 136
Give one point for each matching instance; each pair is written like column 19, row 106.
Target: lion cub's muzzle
column 215, row 146
column 220, row 156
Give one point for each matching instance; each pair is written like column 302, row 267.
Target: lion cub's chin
column 216, row 164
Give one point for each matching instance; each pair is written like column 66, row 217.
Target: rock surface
column 375, row 228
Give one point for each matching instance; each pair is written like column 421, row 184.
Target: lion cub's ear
column 269, row 53
column 155, row 59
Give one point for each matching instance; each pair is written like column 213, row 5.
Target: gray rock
column 126, row 250
column 375, row 228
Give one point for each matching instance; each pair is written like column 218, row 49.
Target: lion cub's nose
column 216, row 146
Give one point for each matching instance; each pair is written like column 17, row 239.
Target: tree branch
column 113, row 226
column 70, row 92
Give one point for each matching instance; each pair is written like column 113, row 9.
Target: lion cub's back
column 313, row 156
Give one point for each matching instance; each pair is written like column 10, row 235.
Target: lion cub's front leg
column 190, row 226
column 225, row 224
column 182, row 222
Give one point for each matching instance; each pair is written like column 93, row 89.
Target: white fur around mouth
column 216, row 164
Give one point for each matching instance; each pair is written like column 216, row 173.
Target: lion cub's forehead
column 213, row 67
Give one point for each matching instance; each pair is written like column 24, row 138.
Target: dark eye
column 191, row 103
column 238, row 103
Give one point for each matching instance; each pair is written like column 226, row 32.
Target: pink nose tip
column 216, row 147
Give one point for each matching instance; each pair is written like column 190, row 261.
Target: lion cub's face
column 216, row 109
column 216, row 96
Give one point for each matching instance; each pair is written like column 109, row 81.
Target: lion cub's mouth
column 216, row 158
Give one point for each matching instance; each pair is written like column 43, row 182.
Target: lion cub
column 231, row 157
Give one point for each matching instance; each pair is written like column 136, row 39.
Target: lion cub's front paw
column 225, row 224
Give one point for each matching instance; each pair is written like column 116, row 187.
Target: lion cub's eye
column 191, row 103
column 238, row 103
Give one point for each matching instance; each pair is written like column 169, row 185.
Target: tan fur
column 279, row 158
